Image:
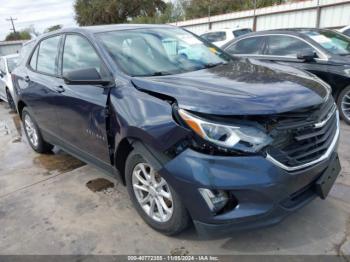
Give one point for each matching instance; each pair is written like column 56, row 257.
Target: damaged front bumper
column 264, row 193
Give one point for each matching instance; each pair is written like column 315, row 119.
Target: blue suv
column 195, row 134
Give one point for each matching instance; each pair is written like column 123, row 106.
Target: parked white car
column 219, row 37
column 7, row 64
column 345, row 30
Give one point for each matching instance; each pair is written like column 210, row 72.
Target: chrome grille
column 298, row 144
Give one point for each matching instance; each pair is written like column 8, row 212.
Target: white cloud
column 39, row 13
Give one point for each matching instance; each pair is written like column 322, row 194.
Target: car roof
column 289, row 31
column 225, row 30
column 344, row 28
column 105, row 28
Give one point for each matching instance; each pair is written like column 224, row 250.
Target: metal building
column 309, row 13
column 11, row 47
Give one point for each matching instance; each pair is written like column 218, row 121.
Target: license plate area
column 324, row 184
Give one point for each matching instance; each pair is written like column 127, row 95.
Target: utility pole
column 318, row 14
column 254, row 17
column 13, row 25
column 209, row 11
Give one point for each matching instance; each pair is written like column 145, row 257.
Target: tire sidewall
column 39, row 147
column 10, row 100
column 339, row 101
column 170, row 227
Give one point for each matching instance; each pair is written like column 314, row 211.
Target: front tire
column 154, row 199
column 344, row 104
column 33, row 134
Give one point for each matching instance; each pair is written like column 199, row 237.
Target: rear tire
column 33, row 134
column 173, row 219
column 10, row 102
column 343, row 103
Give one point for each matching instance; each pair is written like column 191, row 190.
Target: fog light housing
column 215, row 199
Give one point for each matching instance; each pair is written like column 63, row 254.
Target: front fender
column 143, row 117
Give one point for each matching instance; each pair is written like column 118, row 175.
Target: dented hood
column 243, row 87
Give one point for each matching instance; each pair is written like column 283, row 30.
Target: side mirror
column 1, row 74
column 307, row 55
column 88, row 76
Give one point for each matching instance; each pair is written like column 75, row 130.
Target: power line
column 13, row 25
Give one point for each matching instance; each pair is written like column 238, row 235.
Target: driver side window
column 79, row 54
column 288, row 46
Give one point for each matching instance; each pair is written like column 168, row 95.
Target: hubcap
column 152, row 193
column 31, row 130
column 345, row 105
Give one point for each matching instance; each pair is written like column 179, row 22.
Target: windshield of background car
column 332, row 41
column 160, row 51
column 11, row 63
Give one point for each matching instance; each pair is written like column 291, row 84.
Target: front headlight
column 240, row 137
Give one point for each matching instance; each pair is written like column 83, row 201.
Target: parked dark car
column 226, row 143
column 325, row 53
column 345, row 30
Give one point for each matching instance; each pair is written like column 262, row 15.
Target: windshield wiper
column 211, row 65
column 160, row 73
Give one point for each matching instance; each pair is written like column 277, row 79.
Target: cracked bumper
column 266, row 193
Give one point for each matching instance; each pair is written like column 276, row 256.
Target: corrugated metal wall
column 333, row 13
column 10, row 49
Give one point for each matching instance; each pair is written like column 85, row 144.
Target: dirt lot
column 46, row 208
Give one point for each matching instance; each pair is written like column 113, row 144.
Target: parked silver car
column 7, row 93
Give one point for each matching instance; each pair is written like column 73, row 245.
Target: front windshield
column 160, row 51
column 332, row 41
column 11, row 63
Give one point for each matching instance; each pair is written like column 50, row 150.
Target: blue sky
column 39, row 13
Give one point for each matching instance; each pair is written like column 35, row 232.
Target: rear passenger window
column 48, row 54
column 79, row 54
column 251, row 45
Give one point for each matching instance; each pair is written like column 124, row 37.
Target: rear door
column 247, row 47
column 82, row 108
column 41, row 80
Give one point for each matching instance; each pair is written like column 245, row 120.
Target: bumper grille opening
column 300, row 144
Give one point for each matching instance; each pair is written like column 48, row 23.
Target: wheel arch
column 154, row 156
column 20, row 106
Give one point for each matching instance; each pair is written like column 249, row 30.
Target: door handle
column 60, row 89
column 26, row 79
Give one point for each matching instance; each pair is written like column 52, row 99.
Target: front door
column 82, row 108
column 284, row 49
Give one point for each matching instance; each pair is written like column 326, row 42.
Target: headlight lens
column 239, row 137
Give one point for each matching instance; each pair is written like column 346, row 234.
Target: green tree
column 53, row 28
column 97, row 12
column 21, row 35
column 169, row 14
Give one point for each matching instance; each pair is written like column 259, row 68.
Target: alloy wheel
column 31, row 130
column 345, row 105
column 152, row 193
